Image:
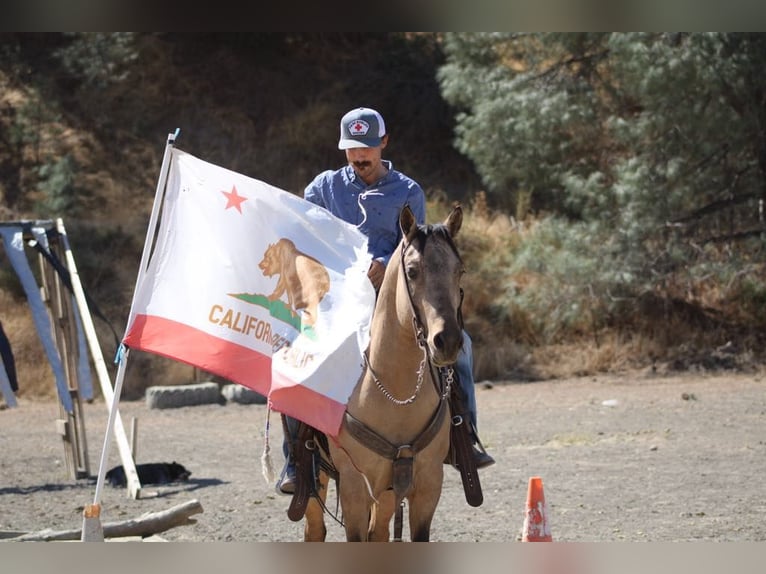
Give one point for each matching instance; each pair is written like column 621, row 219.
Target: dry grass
column 585, row 358
column 33, row 371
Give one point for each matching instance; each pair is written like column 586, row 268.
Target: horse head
column 432, row 269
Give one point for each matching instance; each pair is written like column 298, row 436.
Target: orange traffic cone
column 536, row 527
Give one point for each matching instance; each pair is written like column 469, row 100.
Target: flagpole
column 92, row 530
column 151, row 230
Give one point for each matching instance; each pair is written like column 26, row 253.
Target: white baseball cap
column 361, row 127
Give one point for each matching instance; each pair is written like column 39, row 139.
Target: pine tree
column 645, row 151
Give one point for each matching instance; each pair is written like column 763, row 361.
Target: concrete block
column 175, row 396
column 242, row 395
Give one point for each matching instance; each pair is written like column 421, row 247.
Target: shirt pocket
column 381, row 225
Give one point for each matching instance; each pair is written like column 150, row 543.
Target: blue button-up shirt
column 374, row 209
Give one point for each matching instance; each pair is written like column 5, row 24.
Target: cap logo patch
column 358, row 128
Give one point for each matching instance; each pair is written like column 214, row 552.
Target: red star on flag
column 234, row 200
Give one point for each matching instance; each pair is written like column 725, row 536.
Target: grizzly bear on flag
column 303, row 278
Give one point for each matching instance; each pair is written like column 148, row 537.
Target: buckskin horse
column 395, row 436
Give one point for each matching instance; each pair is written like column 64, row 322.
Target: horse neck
column 395, row 358
column 393, row 343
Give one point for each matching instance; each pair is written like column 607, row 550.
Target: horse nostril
column 439, row 341
column 446, row 343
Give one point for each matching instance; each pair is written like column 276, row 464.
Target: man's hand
column 375, row 273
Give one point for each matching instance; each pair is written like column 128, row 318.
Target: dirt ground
column 636, row 457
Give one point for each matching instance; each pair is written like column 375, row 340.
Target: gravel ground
column 635, row 457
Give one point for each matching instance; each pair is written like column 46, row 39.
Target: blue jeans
column 292, row 430
column 464, row 369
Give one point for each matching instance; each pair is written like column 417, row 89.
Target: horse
column 395, row 435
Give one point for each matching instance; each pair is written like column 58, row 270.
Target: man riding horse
column 369, row 193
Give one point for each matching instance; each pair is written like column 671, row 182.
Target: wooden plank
column 134, row 485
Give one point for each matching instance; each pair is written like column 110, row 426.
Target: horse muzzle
column 444, row 346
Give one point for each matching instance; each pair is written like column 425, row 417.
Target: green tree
column 38, row 67
column 97, row 59
column 649, row 146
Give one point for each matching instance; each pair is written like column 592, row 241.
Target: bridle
column 421, row 336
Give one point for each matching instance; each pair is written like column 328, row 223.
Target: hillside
column 86, row 144
column 263, row 105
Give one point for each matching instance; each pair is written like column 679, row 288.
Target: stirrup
column 481, row 458
column 286, row 479
column 480, row 455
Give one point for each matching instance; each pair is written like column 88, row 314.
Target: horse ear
column 407, row 222
column 454, row 220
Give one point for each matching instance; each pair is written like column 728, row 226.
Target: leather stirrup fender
column 304, row 472
column 461, row 451
column 462, row 446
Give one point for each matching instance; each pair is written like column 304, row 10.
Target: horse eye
column 412, row 273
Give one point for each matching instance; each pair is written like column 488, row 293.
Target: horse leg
column 422, row 505
column 421, row 514
column 314, row 529
column 382, row 520
column 357, row 522
column 356, row 504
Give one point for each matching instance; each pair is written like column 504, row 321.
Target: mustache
column 361, row 164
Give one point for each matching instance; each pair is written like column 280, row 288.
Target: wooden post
column 60, row 310
column 133, row 437
column 134, row 485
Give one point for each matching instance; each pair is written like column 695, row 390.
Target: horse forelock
column 433, row 245
column 437, row 230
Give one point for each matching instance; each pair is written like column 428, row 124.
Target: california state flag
column 256, row 285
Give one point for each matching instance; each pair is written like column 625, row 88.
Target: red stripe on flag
column 302, row 403
column 183, row 343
